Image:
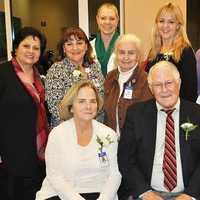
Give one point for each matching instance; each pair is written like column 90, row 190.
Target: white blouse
column 73, row 169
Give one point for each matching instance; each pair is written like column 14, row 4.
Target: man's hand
column 151, row 196
column 184, row 197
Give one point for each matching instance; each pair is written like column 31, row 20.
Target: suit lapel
column 151, row 119
column 183, row 115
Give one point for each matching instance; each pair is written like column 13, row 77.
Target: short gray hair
column 163, row 65
column 131, row 38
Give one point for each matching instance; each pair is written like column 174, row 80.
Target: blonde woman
column 81, row 154
column 170, row 43
column 107, row 19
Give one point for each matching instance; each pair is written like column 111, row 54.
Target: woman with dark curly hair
column 23, row 130
column 77, row 63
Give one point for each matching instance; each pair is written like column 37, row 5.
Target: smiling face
column 107, row 21
column 165, row 87
column 126, row 55
column 85, row 104
column 28, row 51
column 75, row 50
column 167, row 26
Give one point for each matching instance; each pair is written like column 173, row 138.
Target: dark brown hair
column 80, row 35
column 25, row 32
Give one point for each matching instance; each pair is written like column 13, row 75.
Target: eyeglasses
column 166, row 84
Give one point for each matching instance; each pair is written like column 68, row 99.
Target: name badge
column 104, row 162
column 128, row 92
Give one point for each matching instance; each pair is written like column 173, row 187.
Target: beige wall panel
column 56, row 14
column 140, row 14
column 2, row 6
column 22, row 9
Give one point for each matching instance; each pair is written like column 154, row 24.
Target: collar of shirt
column 160, row 108
column 124, row 76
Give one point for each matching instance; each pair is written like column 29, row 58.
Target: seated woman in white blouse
column 81, row 154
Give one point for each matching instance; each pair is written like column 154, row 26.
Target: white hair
column 131, row 38
column 163, row 65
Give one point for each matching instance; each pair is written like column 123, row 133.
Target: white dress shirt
column 157, row 180
column 73, row 169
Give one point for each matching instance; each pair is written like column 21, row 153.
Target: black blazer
column 137, row 147
column 18, row 115
column 188, row 72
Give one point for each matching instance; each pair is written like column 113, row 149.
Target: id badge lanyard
column 128, row 91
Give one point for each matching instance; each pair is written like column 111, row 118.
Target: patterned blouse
column 61, row 76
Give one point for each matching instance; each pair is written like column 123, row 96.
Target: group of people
column 101, row 94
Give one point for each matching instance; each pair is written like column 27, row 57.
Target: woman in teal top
column 107, row 20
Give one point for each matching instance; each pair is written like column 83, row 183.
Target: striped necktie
column 169, row 159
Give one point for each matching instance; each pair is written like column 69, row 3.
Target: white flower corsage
column 188, row 127
column 77, row 73
column 167, row 55
column 103, row 141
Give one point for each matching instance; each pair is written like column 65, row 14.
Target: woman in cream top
column 81, row 154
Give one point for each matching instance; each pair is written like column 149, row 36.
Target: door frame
column 83, row 21
column 84, row 17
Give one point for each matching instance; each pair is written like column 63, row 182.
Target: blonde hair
column 65, row 106
column 130, row 38
column 109, row 6
column 180, row 41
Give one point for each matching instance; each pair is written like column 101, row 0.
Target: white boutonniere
column 76, row 73
column 103, row 141
column 188, row 127
column 167, row 55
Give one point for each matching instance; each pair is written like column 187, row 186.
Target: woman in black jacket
column 170, row 42
column 23, row 130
